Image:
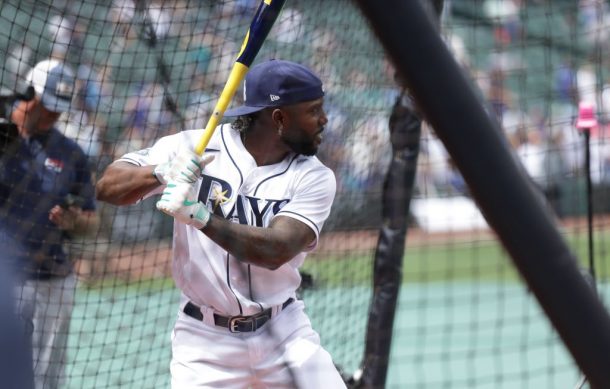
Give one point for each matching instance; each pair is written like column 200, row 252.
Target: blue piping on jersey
column 241, row 312
column 298, row 214
column 275, row 175
column 224, row 142
column 241, row 180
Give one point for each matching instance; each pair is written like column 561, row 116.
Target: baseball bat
column 261, row 24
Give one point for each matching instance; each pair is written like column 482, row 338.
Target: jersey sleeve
column 161, row 152
column 313, row 199
column 164, row 150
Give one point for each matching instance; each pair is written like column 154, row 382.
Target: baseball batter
column 246, row 215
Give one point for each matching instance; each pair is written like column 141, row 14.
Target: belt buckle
column 234, row 322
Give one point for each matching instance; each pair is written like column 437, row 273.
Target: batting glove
column 179, row 200
column 186, row 167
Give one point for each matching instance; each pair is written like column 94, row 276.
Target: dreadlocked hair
column 243, row 123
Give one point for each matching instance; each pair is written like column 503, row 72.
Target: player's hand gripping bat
column 261, row 24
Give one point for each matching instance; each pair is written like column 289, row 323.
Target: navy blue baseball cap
column 277, row 83
column 53, row 82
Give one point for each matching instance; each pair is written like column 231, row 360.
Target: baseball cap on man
column 53, row 82
column 277, row 83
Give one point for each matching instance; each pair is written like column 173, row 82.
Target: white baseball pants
column 284, row 353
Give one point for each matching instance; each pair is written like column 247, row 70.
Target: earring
column 279, row 131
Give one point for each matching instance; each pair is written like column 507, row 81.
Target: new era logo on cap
column 277, row 83
column 53, row 82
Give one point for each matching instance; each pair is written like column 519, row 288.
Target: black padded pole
column 497, row 182
column 587, row 137
column 405, row 131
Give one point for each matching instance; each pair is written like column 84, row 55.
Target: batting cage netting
column 463, row 317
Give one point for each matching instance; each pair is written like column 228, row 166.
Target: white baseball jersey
column 235, row 188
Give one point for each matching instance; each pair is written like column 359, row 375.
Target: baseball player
column 246, row 215
column 46, row 198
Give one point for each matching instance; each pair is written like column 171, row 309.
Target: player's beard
column 301, row 143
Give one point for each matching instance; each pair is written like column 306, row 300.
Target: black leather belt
column 235, row 323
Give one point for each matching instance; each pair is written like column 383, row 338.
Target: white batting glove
column 179, row 200
column 185, row 167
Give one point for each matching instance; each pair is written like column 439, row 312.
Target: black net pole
column 587, row 138
column 497, row 182
column 405, row 131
